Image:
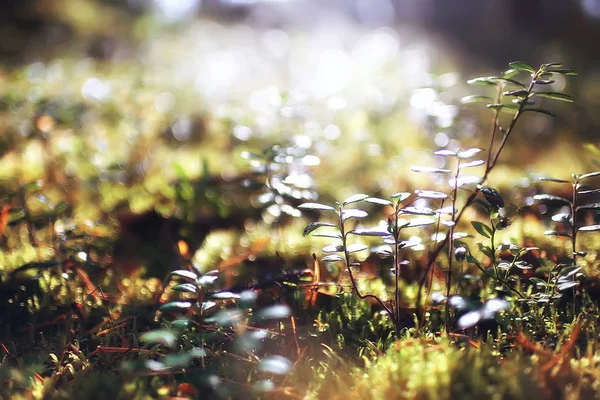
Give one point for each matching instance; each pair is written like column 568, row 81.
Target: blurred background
column 320, row 75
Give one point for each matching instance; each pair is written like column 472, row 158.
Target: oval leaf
column 355, row 198
column 555, row 96
column 316, row 206
column 475, row 99
column 311, row 227
column 482, row 229
column 432, row 170
column 375, row 200
column 400, row 196
column 176, row 306
column 377, row 231
column 184, row 273
column 353, row 213
column 522, row 66
column 417, row 211
column 332, row 258
column 161, row 336
column 430, row 194
column 589, row 228
column 551, row 199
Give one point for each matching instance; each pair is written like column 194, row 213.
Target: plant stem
column 352, row 280
column 491, row 162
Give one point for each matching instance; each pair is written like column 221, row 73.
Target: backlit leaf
column 185, row 287
column 469, row 153
column 475, row 99
column 474, row 163
column 311, row 227
column 445, row 153
column 354, row 199
column 541, row 111
column 400, row 196
column 332, row 248
column 184, row 273
column 432, row 170
column 555, row 96
column 591, row 206
column 316, row 206
column 161, row 336
column 589, row 175
column 353, row 213
column 549, row 198
column 589, row 228
column 375, row 200
column 377, row 231
column 332, row 258
column 417, row 211
column 522, row 66
column 356, row 247
column 175, row 306
column 430, row 194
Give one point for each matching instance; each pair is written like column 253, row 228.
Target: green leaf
column 591, row 206
column 555, row 96
column 417, row 211
column 184, row 273
column 566, row 285
column 430, row 194
column 400, row 196
column 465, row 154
column 332, row 248
column 541, row 111
column 509, row 106
column 552, row 65
column 432, row 170
column 564, row 71
column 547, row 179
column 482, row 229
column 355, row 199
column 551, row 198
column 518, row 93
column 589, row 175
column 332, row 258
column 185, row 287
column 375, row 200
column 311, row 227
column 445, row 153
column 543, row 82
column 494, row 80
column 377, row 231
column 316, row 206
column 353, row 213
column 475, row 99
column 161, row 336
column 509, row 73
column 225, row 295
column 175, row 306
column 589, row 228
column 522, row 66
